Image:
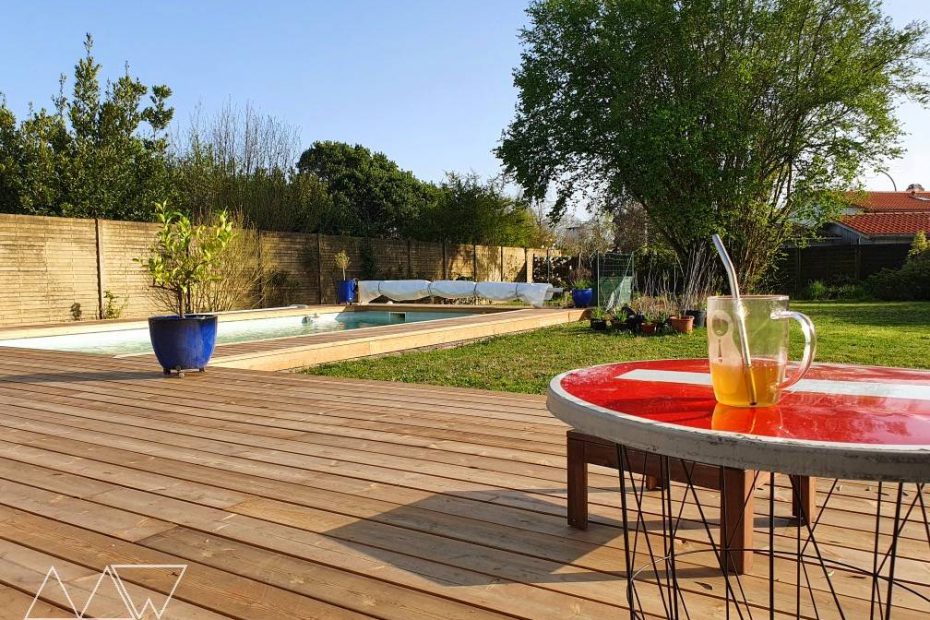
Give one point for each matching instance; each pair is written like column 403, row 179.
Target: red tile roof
column 881, row 224
column 878, row 202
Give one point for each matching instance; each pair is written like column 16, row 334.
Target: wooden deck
column 303, row 497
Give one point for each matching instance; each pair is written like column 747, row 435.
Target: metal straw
column 740, row 316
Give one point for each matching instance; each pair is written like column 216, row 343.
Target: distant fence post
column 528, row 261
column 261, row 272
column 474, row 262
column 319, row 264
column 858, row 260
column 445, row 261
column 409, row 258
column 100, row 275
column 797, row 269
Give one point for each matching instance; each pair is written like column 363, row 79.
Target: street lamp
column 893, row 184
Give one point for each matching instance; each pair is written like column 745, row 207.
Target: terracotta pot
column 682, row 324
column 648, row 329
column 700, row 317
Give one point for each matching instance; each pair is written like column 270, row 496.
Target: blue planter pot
column 345, row 291
column 183, row 344
column 582, row 297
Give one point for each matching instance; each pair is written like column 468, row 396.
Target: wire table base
column 803, row 568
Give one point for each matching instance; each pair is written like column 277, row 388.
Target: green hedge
column 910, row 283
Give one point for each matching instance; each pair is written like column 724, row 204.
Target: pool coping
column 314, row 349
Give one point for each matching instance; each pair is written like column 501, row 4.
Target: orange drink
column 731, row 382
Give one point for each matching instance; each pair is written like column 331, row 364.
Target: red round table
column 658, row 424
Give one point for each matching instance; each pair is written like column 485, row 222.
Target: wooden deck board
column 304, row 497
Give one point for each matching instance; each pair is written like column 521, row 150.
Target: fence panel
column 290, row 262
column 120, row 243
column 460, row 261
column 47, row 267
column 835, row 263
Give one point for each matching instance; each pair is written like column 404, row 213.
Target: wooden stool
column 736, row 517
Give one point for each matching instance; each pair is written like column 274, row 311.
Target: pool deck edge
column 302, row 351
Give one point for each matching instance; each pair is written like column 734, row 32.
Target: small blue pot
column 183, row 344
column 345, row 291
column 582, row 297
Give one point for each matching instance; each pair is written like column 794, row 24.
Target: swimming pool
column 135, row 341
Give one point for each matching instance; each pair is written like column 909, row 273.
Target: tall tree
column 10, row 172
column 735, row 116
column 472, row 211
column 244, row 161
column 371, row 194
column 99, row 154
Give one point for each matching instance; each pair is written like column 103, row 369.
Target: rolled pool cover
column 535, row 294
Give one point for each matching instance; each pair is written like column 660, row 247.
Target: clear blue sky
column 426, row 81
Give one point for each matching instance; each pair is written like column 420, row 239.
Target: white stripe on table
column 817, row 386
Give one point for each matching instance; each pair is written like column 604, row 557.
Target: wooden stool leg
column 803, row 498
column 736, row 519
column 577, row 485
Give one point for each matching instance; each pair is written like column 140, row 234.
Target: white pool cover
column 410, row 290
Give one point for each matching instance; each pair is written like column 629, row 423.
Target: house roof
column 888, row 224
column 880, row 202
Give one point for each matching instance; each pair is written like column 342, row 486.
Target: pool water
column 135, row 341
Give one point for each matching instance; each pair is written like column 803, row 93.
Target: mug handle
column 810, row 344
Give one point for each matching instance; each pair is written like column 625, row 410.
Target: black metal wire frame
column 609, row 269
column 672, row 580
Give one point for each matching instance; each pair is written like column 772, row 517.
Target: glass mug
column 766, row 318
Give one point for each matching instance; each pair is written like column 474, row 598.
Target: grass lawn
column 885, row 334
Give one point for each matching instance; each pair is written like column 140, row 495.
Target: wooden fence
column 798, row 267
column 54, row 269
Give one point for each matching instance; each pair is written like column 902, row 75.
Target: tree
column 241, row 160
column 185, row 256
column 97, row 155
column 371, row 195
column 10, row 172
column 597, row 234
column 32, row 154
column 471, row 211
column 920, row 247
column 733, row 116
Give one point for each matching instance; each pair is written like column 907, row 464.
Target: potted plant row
column 654, row 312
column 645, row 315
column 183, row 257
